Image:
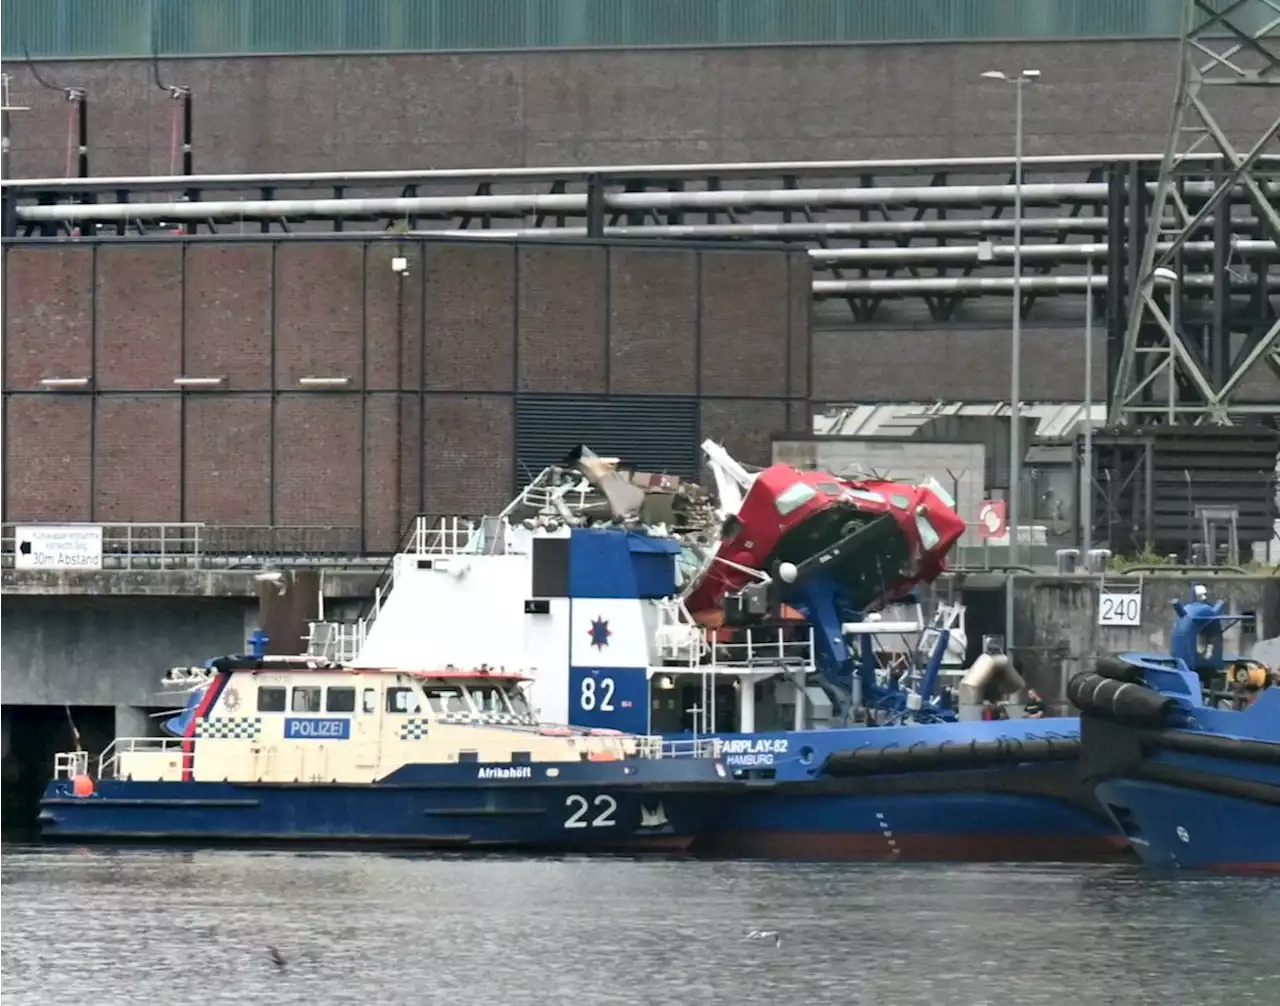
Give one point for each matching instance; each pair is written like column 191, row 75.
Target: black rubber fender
column 1120, row 701
column 925, row 756
column 1118, row 670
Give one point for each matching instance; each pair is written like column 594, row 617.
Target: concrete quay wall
column 104, row 638
column 1056, row 630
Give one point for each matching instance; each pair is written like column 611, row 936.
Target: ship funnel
column 625, row 499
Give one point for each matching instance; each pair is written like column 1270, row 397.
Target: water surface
column 179, row 928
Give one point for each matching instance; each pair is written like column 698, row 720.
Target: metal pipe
column 527, row 203
column 809, row 229
column 975, row 253
column 635, row 171
column 576, row 203
column 994, row 284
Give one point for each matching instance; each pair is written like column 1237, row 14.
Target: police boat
column 296, row 750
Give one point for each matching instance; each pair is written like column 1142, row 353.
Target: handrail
column 109, row 760
column 158, row 545
column 1156, row 567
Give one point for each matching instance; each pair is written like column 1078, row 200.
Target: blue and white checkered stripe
column 413, row 729
column 224, row 728
column 507, row 719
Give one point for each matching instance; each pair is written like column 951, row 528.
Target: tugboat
column 584, row 582
column 1184, row 747
column 295, row 750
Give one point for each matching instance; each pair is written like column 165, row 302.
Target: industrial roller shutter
column 653, row 434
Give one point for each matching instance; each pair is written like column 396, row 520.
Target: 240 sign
column 1121, row 610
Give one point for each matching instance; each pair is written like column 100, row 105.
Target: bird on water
column 765, row 934
column 276, row 959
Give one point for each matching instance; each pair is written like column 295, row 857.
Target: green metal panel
column 121, row 28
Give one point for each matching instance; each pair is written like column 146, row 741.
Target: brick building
column 305, row 382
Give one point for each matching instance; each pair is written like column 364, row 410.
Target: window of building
column 340, row 699
column 305, row 700
column 271, row 700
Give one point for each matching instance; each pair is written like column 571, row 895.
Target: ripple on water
column 180, row 927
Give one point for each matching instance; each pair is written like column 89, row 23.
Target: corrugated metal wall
column 653, row 434
column 127, row 27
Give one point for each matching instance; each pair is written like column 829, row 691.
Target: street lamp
column 1086, row 487
column 1015, row 352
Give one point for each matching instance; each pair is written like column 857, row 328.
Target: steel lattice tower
column 1190, row 340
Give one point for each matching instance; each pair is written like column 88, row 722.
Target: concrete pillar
column 132, row 722
column 287, row 602
column 747, row 704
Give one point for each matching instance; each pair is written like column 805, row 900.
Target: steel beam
column 1189, row 362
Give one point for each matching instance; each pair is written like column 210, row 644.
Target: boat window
column 866, row 495
column 340, row 700
column 947, row 499
column 929, row 538
column 488, row 699
column 519, row 704
column 305, row 700
column 403, row 700
column 443, row 698
column 830, row 488
column 271, row 700
column 901, row 502
column 790, row 500
column 369, row 700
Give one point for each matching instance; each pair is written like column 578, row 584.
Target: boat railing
column 679, row 747
column 762, row 647
column 109, row 760
column 70, row 764
column 444, row 536
column 678, row 636
column 340, row 642
column 185, row 679
column 558, row 489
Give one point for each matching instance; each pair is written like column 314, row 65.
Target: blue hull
column 937, row 817
column 589, row 807
column 1189, row 799
column 958, row 792
column 1190, row 829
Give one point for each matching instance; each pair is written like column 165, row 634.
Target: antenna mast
column 1200, row 316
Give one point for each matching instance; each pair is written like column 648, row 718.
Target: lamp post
column 1086, row 485
column 1015, row 352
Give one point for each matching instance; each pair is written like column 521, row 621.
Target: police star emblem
column 600, row 633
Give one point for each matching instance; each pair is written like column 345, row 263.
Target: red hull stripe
column 202, row 710
column 875, row 847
